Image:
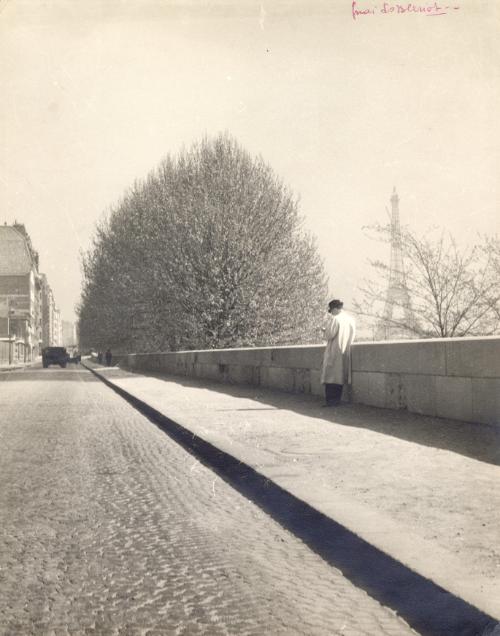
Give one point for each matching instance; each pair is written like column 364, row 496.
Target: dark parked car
column 54, row 355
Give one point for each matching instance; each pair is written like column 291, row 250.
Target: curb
column 425, row 606
column 7, row 369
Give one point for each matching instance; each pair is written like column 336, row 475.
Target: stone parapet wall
column 294, row 369
column 457, row 378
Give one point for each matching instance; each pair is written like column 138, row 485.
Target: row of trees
column 453, row 292
column 207, row 251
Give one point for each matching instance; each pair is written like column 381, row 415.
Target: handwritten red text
column 394, row 8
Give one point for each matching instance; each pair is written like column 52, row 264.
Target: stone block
column 210, row 371
column 360, row 387
column 454, row 398
column 168, row 362
column 486, row 400
column 302, row 381
column 420, row 393
column 413, row 356
column 378, row 388
column 243, row 357
column 180, row 366
column 187, row 356
column 277, row 378
column 191, row 357
column 395, row 397
column 128, row 361
column 238, row 374
column 153, row 362
column 369, row 388
column 304, row 357
column 346, row 394
column 260, row 356
column 141, row 361
column 473, row 357
column 317, row 388
column 211, row 356
column 164, row 362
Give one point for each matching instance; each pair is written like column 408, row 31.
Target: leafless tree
column 453, row 292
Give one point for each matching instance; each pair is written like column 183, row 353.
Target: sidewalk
column 422, row 490
column 14, row 366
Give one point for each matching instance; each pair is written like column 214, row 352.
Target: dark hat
column 335, row 304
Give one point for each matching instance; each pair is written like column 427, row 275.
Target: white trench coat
column 339, row 334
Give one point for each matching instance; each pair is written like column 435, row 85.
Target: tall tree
column 453, row 292
column 208, row 251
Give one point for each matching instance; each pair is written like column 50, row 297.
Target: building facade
column 69, row 338
column 51, row 317
column 58, row 331
column 20, row 296
column 29, row 318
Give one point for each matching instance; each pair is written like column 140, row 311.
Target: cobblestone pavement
column 424, row 490
column 108, row 527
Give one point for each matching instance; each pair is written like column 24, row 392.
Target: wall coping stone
column 362, row 343
column 268, row 348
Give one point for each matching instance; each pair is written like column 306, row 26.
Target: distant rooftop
column 16, row 254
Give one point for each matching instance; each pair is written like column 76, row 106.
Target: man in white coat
column 339, row 331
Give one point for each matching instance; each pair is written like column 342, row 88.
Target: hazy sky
column 95, row 93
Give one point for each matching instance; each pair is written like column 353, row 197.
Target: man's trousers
column 333, row 394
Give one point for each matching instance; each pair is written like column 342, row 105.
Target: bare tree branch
column 452, row 291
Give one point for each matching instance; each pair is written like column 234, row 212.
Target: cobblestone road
column 108, row 527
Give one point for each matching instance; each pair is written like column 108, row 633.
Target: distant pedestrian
column 339, row 331
column 108, row 358
column 99, row 357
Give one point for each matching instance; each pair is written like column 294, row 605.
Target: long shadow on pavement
column 427, row 607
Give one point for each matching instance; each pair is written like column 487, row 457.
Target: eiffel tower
column 397, row 319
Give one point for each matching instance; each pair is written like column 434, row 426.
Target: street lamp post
column 8, row 329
